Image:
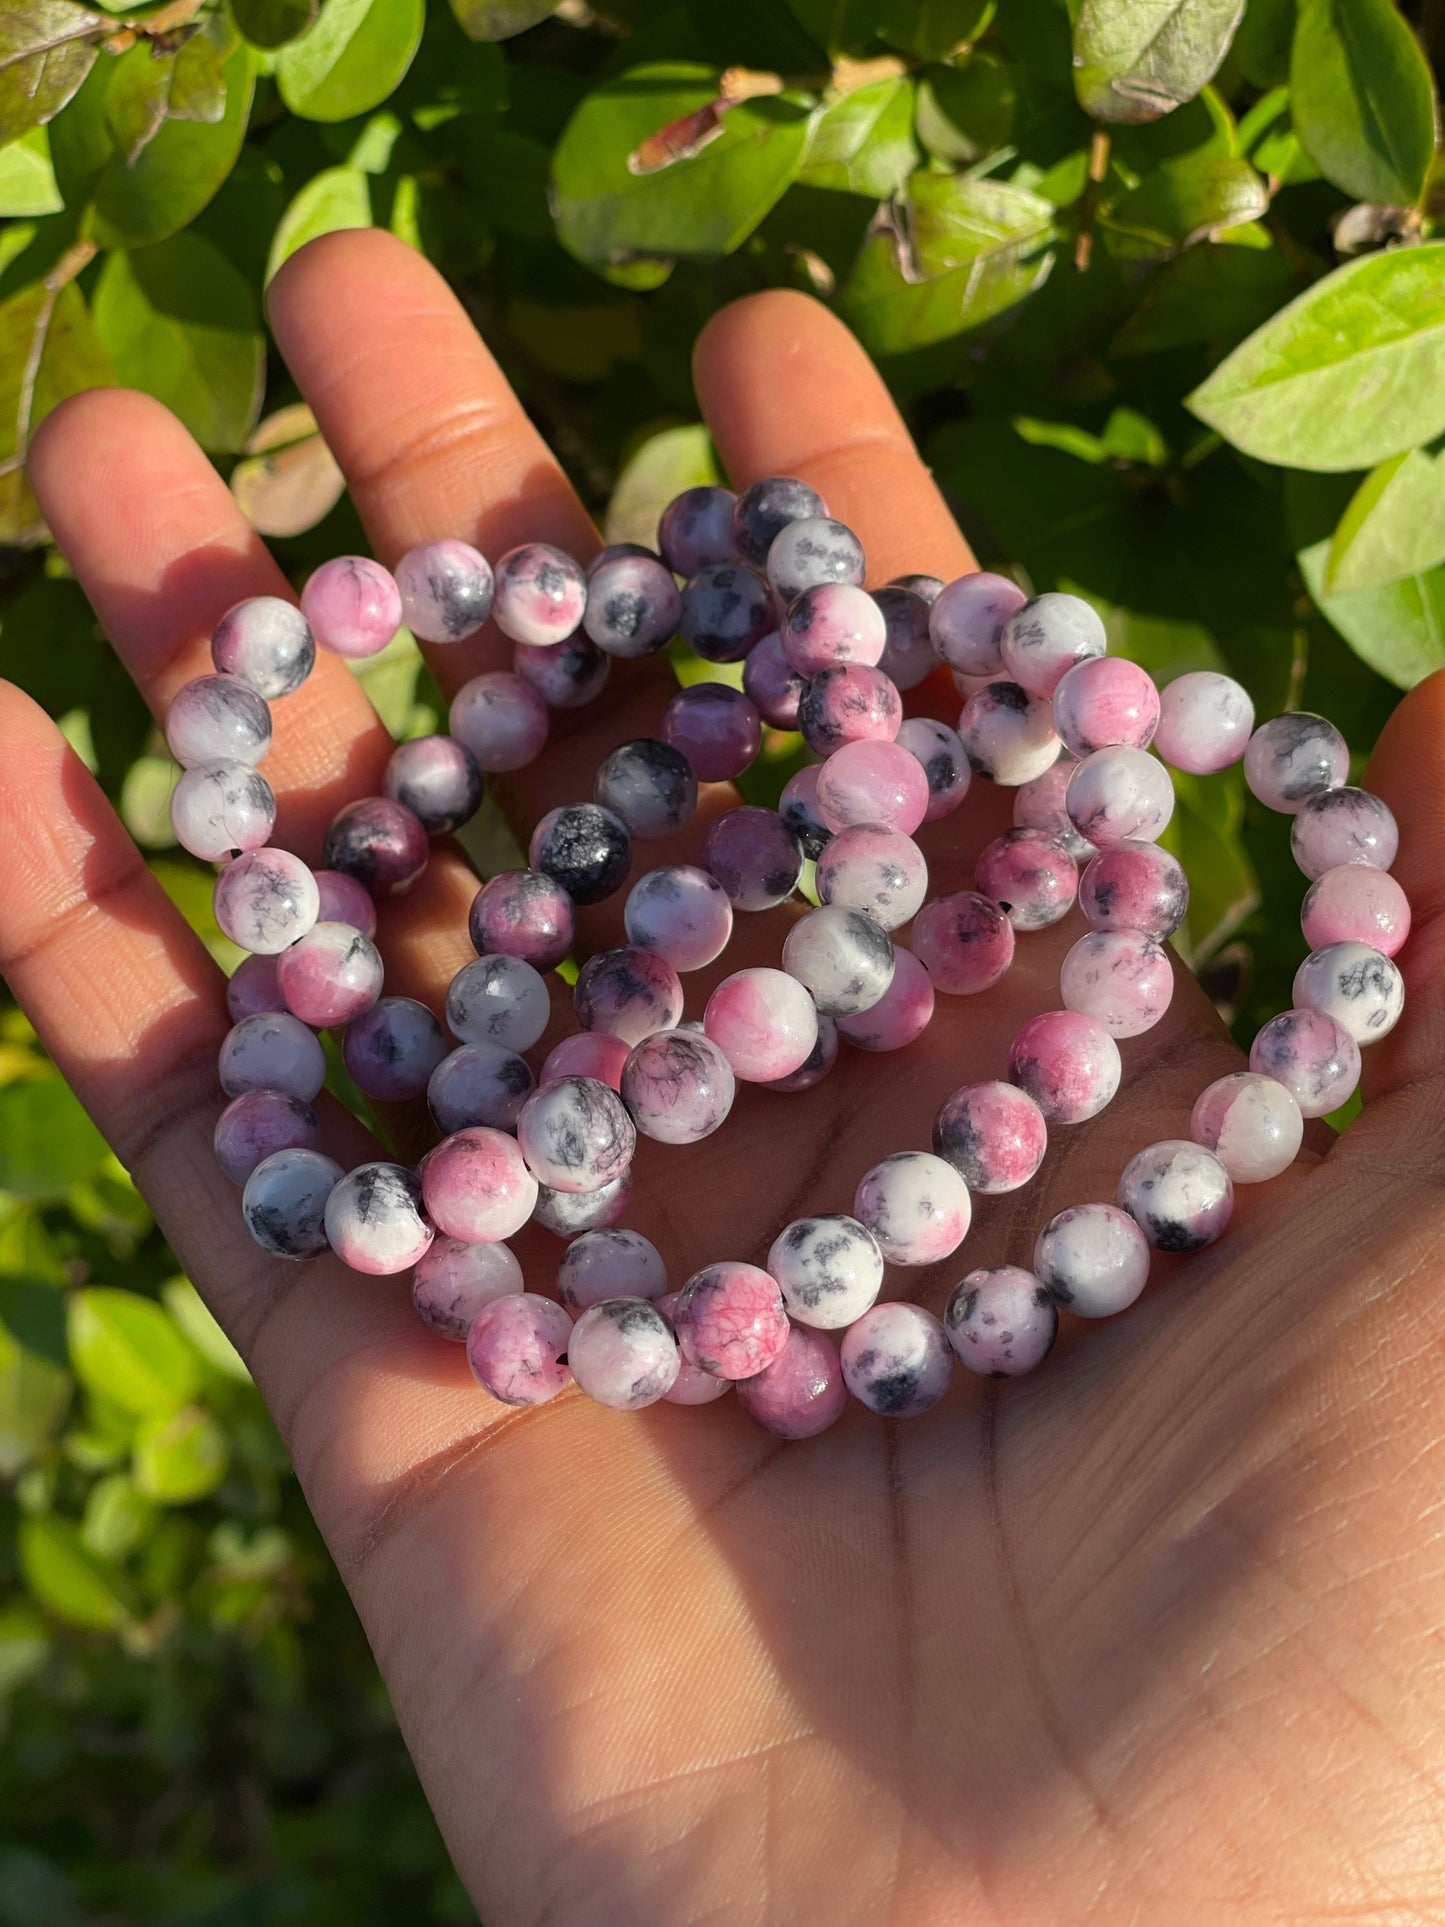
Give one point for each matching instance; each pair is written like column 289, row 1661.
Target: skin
column 1150, row 1636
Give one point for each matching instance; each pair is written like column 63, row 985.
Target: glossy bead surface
column 1007, row 734
column 1205, row 721
column 817, row 1064
column 726, row 608
column 500, row 719
column 1041, row 805
column 218, row 719
column 842, row 958
column 1135, row 886
column 586, row 1053
column 764, row 509
column 498, row 1000
column 901, row 1014
column 515, row 1347
column 453, row 1283
column 273, row 1051
column 567, row 674
column 1251, row 1124
column 330, row 976
column 680, row 913
column 1313, row 1056
column 1001, row 1321
column 541, row 595
column 1357, row 986
column 1180, row 1195
column 798, row 807
column 771, row 684
column 730, row 1319
column 476, row 1186
column 873, row 782
column 715, row 727
column 437, row 779
column 353, row 606
column 829, row 1270
column 284, row 1202
column 1121, row 979
column 341, row 899
column 909, row 652
column 967, row 618
column 267, row 643
column 583, row 847
column 1119, row 795
column 1030, row 876
column 1105, row 703
column 896, row 1360
column 754, row 856
column 1067, row 1063
column 692, row 1386
column 633, row 605
column 566, row 1214
column 848, row 703
column 623, row 1354
column 1355, row 904
column 253, row 988
column 611, row 1263
column 479, row 1084
column 221, row 810
column 576, row 1135
column 916, row 1206
column 945, row 763
column 1344, row 826
column 696, row 528
column 446, row 590
column 378, row 842
column 265, row 900
column 258, row 1123
column 965, row 942
column 678, row 1086
column 812, row 551
column 1294, row 757
column 523, row 913
column 627, row 992
column 878, row 871
column 833, row 624
column 764, row 1022
column 802, row 1392
column 1093, row 1258
column 392, row 1049
column 649, row 784
column 992, row 1134
column 374, row 1219
column 1050, row 635
column 930, row 587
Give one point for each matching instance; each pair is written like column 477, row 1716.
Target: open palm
column 1153, row 1636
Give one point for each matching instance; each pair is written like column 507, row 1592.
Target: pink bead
column 526, row 914
column 678, row 1086
column 901, row 1014
column 446, row 590
column 566, row 1213
column 715, row 727
column 500, row 719
column 992, row 1134
column 1135, row 886
column 802, row 1392
column 476, row 1186
column 1001, row 1321
column 1252, row 1125
column 622, row 1354
column 764, row 1022
column 917, row 1207
column 692, row 1386
column 1293, row 757
column 587, row 1054
column 609, row 1264
column 849, row 703
column 1008, row 735
column 265, row 900
column 1344, row 825
column 576, row 1135
column 1205, row 722
column 628, row 993
column 1093, row 1258
column 1120, row 978
column 1315, row 1058
column 1120, row 794
column 565, row 675
column 330, row 976
column 1106, row 702
column 819, row 1061
column 1350, row 904
column 353, row 606
column 379, row 843
column 1180, row 1195
column 679, row 913
column 880, row 872
column 1067, row 1063
column 754, row 856
column 835, row 622
column 967, row 619
column 965, row 942
column 873, row 783
column 1039, row 805
column 730, row 1319
column 940, row 750
column 514, row 1346
column 896, row 1360
column 257, row 1123
column 541, row 595
column 344, row 900
column 254, row 990
column 453, row 1283
column 1030, row 876
column 771, row 684
column 1042, row 641
column 798, row 807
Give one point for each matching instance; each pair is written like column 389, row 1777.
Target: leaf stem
column 1089, row 200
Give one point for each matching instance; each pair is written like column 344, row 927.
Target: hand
column 1150, row 1636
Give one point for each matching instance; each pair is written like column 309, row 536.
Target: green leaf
column 1223, row 888
column 180, row 1456
column 929, row 29
column 65, row 1576
column 47, row 47
column 1262, row 41
column 1182, row 202
column 125, row 1347
column 47, row 1142
column 117, row 1517
column 863, row 144
column 180, row 323
column 1394, row 525
column 965, row 112
column 1398, row 629
column 665, row 464
column 614, row 204
column 338, row 197
column 352, row 59
column 150, row 86
column 34, row 1394
column 1351, row 372
column 1137, row 59
column 839, row 26
column 1362, row 99
column 500, row 19
column 27, row 179
column 186, row 1306
column 1213, row 294
column 271, row 23
column 24, row 1645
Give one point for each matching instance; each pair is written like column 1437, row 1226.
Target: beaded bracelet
column 772, row 582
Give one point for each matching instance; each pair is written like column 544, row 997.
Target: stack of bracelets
column 772, row 582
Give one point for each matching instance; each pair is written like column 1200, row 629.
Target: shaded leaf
column 179, row 1456
column 24, row 1645
column 863, row 143
column 929, row 29
column 150, row 84
column 65, row 1576
column 49, row 349
column 1262, row 41
column 34, row 1394
column 27, row 179
column 839, row 26
column 126, row 1348
column 351, row 59
column 1182, row 202
column 47, row 47
column 1393, row 526
column 271, row 23
column 1137, row 59
column 967, row 111
column 1223, row 887
column 338, row 197
column 1398, row 629
column 47, row 1141
column 1213, row 294
column 665, row 464
column 1362, row 99
column 500, row 19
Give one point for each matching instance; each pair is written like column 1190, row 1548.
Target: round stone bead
column 622, row 1353
column 253, row 988
column 880, row 872
column 649, row 785
column 541, row 595
column 1180, row 1195
column 715, row 727
column 1357, row 986
column 896, row 1360
column 1046, row 638
column 909, row 654
column 1121, row 979
column 754, row 856
column 992, row 1135
column 817, row 1064
column 633, row 605
column 1106, row 703
column 1119, row 795
column 901, row 1014
column 764, row 510
column 566, row 1214
column 454, row 1283
column 764, row 1022
column 1030, row 876
column 221, row 810
column 501, row 719
column 614, row 551
column 1205, row 722
column 476, row 1186
column 392, row 1049
column 965, row 942
column 341, row 899
column 967, row 619
column 265, row 900
column 1294, row 757
column 267, row 643
column 916, row 1206
column 1067, row 1063
column 1040, row 805
column 330, row 976
column 828, row 1269
column 583, row 847
column 284, row 1202
column 576, row 1135
column 479, row 1084
column 872, row 782
column 273, row 1051
column 1000, row 1321
column 437, row 779
column 696, row 528
column 848, row 703
column 726, row 608
column 945, row 763
column 681, row 914
column 730, row 1319
column 1093, row 1258
column 841, row 957
column 678, row 1086
column 1135, row 886
column 523, row 913
column 802, row 1392
column 378, row 842
column 798, row 807
column 1344, row 826
column 1354, row 904
column 517, row 1348
column 811, row 552
column 771, row 684
column 446, row 590
column 586, row 1053
column 498, row 1000
column 1312, row 1055
column 1251, row 1124
column 692, row 1386
column 218, row 719
column 258, row 1123
column 567, row 674
column 930, row 587
column 1008, row 735
column 629, row 993
column 353, row 606
column 609, row 1264
column 833, row 624
column 374, row 1219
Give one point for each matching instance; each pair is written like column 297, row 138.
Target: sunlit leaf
column 67, row 1578
column 338, row 197
column 1362, row 99
column 664, row 465
column 863, row 143
column 47, row 47
column 351, row 59
column 180, row 1456
column 1137, row 59
column 47, row 1141
column 27, row 179
column 500, row 19
column 128, row 1348
column 151, row 85
column 1393, row 526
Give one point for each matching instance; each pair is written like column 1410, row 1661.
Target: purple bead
column 253, row 988
column 1030, row 876
column 258, row 1123
column 692, row 1386
column 1180, row 1195
column 576, row 1135
column 764, row 1022
column 678, row 1086
column 878, row 871
column 501, row 719
column 1039, row 805
column 541, row 595
column 586, row 1053
column 523, row 913
column 353, row 606
column 817, row 1064
column 802, row 1392
column 771, row 684
column 945, row 762
column 516, row 1347
column 873, row 782
column 1343, row 826
column 218, row 719
column 609, row 1264
column 633, row 605
column 1008, row 735
column 1121, row 979
column 343, row 900
column 476, row 1186
column 1135, row 886
column 267, row 643
column 1001, row 1321
column 614, row 551
column 1046, row 638
column 479, row 1084
column 696, row 528
column 1094, row 1259
column 813, row 551
column 284, row 1202
column 1349, row 904
column 730, row 1319
column 829, row 1270
column 623, row 1354
column 1106, row 703
column 379, row 843
column 1251, row 1124
column 754, row 856
column 1312, row 1055
column 330, row 976
column 567, row 1213
column 1067, row 1063
column 966, row 620
column 765, row 509
column 374, row 1219
column 629, row 993
column 798, row 807
column 1357, row 986
column 849, row 703
column 896, row 1360
column 909, row 653
column 842, row 958
column 221, row 810
column 265, row 900
column 993, row 1135
column 715, row 727
column 1205, row 722
column 965, row 942
column 437, row 779
column 833, row 624
column 916, row 1206
column 649, row 784
column 567, row 674
column 392, row 1049
column 498, row 1000
column 930, row 587
column 1294, row 757
column 726, row 608
column 583, row 847
column 446, row 590
column 681, row 914
column 453, row 1284
column 901, row 1014
column 1120, row 795
column 273, row 1051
